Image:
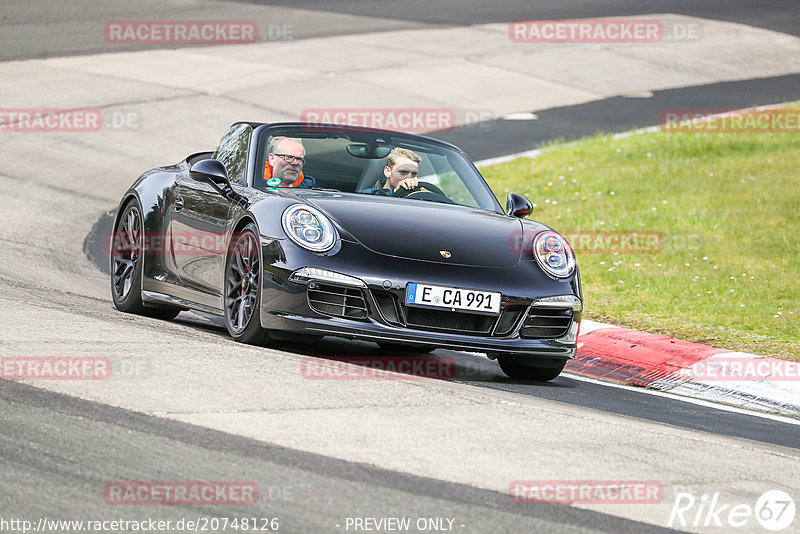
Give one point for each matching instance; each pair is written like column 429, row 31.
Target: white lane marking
column 690, row 400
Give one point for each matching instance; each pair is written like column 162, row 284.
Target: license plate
column 453, row 298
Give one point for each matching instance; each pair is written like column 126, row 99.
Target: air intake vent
column 338, row 301
column 508, row 319
column 546, row 322
column 464, row 323
column 387, row 304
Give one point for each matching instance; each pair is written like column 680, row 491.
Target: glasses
column 288, row 158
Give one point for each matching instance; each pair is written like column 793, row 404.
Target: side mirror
column 518, row 206
column 211, row 170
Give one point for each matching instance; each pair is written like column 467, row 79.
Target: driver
column 284, row 165
column 401, row 170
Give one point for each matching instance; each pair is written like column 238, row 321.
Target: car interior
column 351, row 164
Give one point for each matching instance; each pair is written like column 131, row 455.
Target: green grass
column 727, row 207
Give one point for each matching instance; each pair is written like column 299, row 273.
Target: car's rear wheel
column 127, row 252
column 398, row 347
column 243, row 289
column 512, row 367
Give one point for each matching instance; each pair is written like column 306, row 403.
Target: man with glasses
column 401, row 170
column 284, row 166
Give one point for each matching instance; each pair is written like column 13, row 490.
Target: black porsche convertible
column 437, row 265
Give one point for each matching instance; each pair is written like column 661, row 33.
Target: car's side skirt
column 161, row 298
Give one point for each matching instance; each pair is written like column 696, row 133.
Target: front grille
column 338, row 301
column 546, row 322
column 396, row 314
column 465, row 323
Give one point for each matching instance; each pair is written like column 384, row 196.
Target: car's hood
column 425, row 231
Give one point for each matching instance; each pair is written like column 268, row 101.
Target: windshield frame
column 458, row 160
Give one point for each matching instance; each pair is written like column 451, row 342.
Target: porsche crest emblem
column 445, row 254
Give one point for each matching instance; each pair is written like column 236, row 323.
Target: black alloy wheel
column 127, row 253
column 243, row 288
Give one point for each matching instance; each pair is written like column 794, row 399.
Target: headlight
column 309, row 228
column 554, row 254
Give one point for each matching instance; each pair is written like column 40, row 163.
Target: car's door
column 199, row 226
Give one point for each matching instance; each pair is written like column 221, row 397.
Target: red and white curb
column 625, row 356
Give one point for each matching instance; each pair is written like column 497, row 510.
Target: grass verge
column 692, row 235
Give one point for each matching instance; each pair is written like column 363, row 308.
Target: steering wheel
column 403, row 192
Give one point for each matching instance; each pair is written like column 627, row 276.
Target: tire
column 242, row 290
column 511, row 367
column 398, row 347
column 126, row 265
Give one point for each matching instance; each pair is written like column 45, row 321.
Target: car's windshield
column 355, row 162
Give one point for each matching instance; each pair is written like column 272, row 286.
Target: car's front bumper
column 286, row 306
column 560, row 348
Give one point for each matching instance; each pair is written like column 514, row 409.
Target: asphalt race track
column 192, row 405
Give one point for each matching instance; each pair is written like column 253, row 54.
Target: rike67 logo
column 774, row 510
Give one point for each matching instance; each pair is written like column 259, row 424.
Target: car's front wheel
column 512, row 367
column 127, row 255
column 243, row 289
